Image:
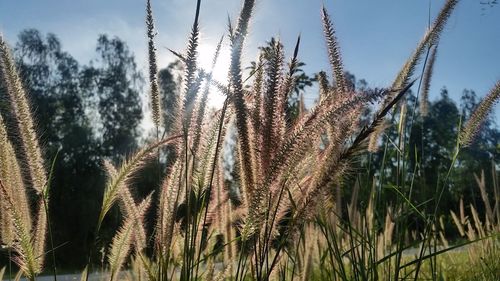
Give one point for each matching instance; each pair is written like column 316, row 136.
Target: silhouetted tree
column 114, row 82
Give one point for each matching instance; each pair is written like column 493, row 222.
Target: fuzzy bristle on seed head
column 10, row 173
column 431, row 38
column 473, row 125
column 190, row 78
column 246, row 165
column 22, row 114
column 323, row 83
column 153, row 68
column 333, row 51
column 122, row 242
column 202, row 103
column 15, row 214
column 40, row 234
column 169, row 196
column 129, row 208
column 120, row 179
column 426, row 83
column 25, row 254
column 273, row 102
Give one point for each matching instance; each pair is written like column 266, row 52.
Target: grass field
column 304, row 201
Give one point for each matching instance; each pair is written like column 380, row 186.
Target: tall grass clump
column 481, row 257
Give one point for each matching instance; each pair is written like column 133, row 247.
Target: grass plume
column 10, row 172
column 153, row 68
column 122, row 242
column 473, row 125
column 21, row 110
column 28, row 243
column 240, row 108
column 426, row 82
column 26, row 257
column 119, row 180
column 430, row 39
column 333, row 52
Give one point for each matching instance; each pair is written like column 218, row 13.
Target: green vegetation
column 260, row 189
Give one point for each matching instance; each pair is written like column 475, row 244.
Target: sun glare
column 205, row 58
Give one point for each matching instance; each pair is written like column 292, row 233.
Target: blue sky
column 375, row 36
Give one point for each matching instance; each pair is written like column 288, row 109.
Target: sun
column 220, row 71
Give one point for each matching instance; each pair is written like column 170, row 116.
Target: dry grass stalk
column 442, row 236
column 463, row 218
column 486, row 230
column 190, row 81
column 458, row 223
column 478, row 224
column 481, row 183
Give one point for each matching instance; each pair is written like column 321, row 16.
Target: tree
column 113, row 82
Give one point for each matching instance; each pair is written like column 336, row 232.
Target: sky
column 375, row 37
